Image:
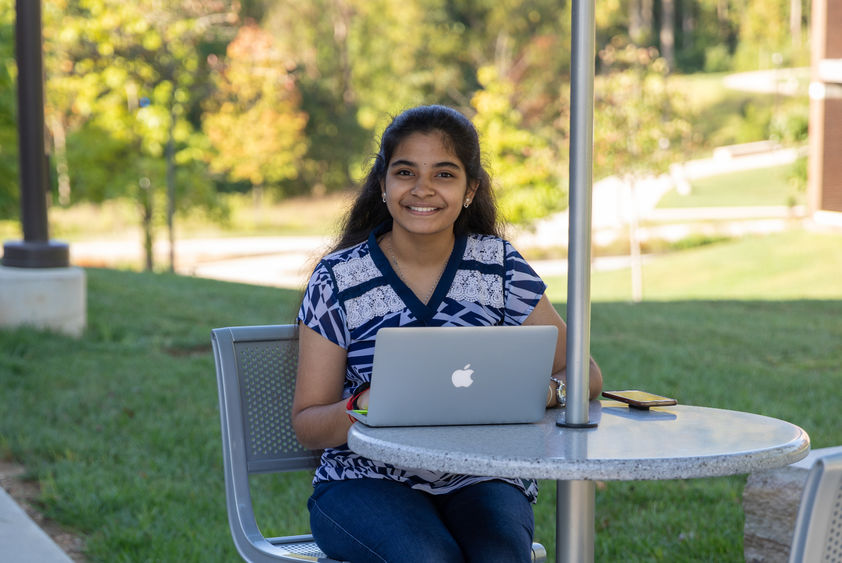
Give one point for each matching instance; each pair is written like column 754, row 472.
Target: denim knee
column 493, row 522
column 364, row 520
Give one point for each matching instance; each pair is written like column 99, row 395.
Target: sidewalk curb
column 22, row 540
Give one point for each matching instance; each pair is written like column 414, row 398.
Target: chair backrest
column 818, row 528
column 256, row 368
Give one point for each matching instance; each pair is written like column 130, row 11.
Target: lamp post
column 35, row 250
column 37, row 285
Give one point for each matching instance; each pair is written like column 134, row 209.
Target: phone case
column 639, row 399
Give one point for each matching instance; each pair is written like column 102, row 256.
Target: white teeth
column 422, row 209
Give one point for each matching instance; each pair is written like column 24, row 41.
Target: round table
column 676, row 442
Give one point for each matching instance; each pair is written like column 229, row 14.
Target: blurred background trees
column 8, row 123
column 177, row 101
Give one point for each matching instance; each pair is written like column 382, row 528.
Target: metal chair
column 818, row 528
column 255, row 373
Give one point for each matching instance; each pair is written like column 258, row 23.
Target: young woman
column 420, row 247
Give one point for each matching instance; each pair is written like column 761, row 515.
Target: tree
column 134, row 72
column 314, row 34
column 765, row 31
column 528, row 173
column 254, row 121
column 639, row 125
column 667, row 34
column 502, row 62
column 358, row 64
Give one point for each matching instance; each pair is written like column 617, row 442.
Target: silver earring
column 384, row 197
column 467, row 203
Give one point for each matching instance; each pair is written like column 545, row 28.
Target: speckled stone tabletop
column 674, row 442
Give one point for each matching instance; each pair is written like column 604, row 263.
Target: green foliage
column 765, row 36
column 124, row 81
column 99, row 179
column 128, row 73
column 358, row 66
column 315, row 36
column 640, row 123
column 789, row 123
column 798, row 177
column 707, row 35
column 9, row 192
column 770, row 116
column 717, row 59
column 299, row 112
column 253, row 120
column 527, row 169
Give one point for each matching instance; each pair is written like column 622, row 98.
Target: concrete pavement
column 22, row 540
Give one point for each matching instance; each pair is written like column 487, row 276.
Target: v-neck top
column 354, row 292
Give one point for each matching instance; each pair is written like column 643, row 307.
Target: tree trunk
column 647, row 19
column 795, row 22
column 635, row 260
column 688, row 24
column 667, row 34
column 146, row 212
column 341, row 26
column 635, row 22
column 170, row 156
column 60, row 148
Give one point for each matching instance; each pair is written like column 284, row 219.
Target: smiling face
column 425, row 186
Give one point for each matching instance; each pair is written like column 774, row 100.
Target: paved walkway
column 22, row 540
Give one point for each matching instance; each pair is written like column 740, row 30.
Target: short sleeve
column 523, row 290
column 320, row 309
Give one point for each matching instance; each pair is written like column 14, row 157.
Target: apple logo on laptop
column 462, row 377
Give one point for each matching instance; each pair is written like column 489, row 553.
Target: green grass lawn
column 763, row 186
column 121, row 427
column 790, row 265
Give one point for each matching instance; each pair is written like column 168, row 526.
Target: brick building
column 825, row 166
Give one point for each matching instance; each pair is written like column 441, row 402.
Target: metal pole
column 576, row 499
column 581, row 180
column 32, row 159
column 575, row 520
column 35, row 251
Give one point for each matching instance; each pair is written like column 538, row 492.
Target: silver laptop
column 460, row 375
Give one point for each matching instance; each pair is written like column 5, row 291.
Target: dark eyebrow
column 443, row 164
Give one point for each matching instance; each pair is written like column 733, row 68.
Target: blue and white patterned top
column 355, row 292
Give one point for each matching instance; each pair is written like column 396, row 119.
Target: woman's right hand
column 362, row 400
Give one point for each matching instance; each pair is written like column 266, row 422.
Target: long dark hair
column 460, row 136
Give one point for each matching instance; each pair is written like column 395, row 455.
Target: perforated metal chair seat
column 302, row 547
column 256, row 368
column 818, row 527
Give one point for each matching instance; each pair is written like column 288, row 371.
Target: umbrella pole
column 575, row 500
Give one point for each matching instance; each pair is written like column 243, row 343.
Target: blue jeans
column 362, row 520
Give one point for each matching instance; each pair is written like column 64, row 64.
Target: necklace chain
column 400, row 273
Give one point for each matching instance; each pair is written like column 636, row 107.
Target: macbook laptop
column 427, row 376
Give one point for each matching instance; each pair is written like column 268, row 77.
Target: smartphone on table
column 639, row 399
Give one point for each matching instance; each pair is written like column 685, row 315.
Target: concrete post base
column 44, row 298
